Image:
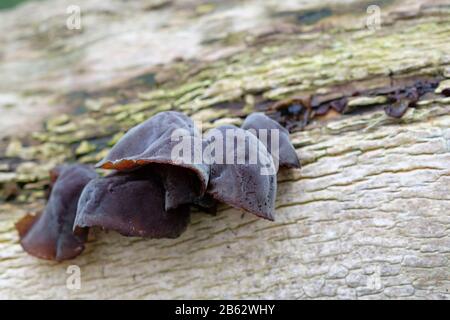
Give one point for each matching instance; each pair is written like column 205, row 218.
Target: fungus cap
column 132, row 204
column 156, row 141
column 285, row 156
column 50, row 235
column 244, row 183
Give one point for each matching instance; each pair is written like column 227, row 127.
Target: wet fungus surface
column 246, row 185
column 285, row 155
column 131, row 204
column 181, row 185
column 153, row 141
column 50, row 235
column 154, row 183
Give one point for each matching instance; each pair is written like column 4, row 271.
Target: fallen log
column 367, row 215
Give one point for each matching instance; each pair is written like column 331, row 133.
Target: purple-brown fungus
column 54, row 174
column 50, row 235
column 132, row 204
column 156, row 141
column 155, row 182
column 181, row 185
column 242, row 171
column 284, row 155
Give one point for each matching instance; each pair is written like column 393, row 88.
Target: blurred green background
column 5, row 4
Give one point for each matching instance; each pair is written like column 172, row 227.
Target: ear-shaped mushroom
column 170, row 139
column 242, row 171
column 167, row 138
column 181, row 186
column 54, row 174
column 131, row 204
column 285, row 154
column 50, row 235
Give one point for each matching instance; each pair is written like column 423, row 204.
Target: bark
column 367, row 216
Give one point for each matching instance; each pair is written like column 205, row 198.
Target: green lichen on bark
column 284, row 66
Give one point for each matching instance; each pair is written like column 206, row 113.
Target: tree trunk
column 367, row 215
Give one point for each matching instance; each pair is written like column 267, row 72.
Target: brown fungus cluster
column 50, row 235
column 153, row 184
column 131, row 204
column 243, row 184
column 287, row 156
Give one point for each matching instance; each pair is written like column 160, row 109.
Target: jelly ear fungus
column 154, row 141
column 50, row 235
column 150, row 192
column 285, row 156
column 181, row 185
column 132, row 204
column 246, row 185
